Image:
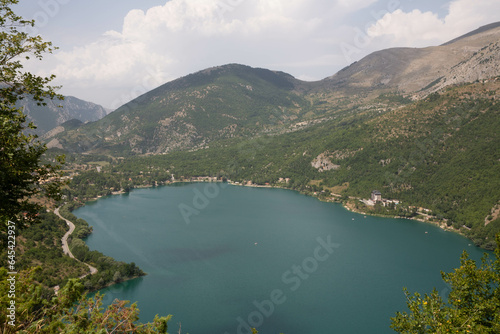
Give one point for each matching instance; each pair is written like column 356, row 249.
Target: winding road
column 65, row 246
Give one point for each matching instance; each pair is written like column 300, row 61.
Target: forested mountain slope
column 440, row 153
column 428, row 135
column 237, row 101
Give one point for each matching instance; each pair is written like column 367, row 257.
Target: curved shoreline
column 345, row 205
column 441, row 225
column 65, row 245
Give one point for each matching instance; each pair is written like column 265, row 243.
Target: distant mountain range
column 217, row 103
column 56, row 112
column 239, row 101
column 420, row 125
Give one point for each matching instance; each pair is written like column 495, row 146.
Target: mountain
column 440, row 153
column 56, row 112
column 190, row 112
column 237, row 101
column 418, row 72
column 420, row 125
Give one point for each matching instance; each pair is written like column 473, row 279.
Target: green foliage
column 21, row 172
column 438, row 153
column 82, row 228
column 40, row 311
column 473, row 305
column 232, row 101
column 109, row 271
column 393, row 97
column 40, row 245
column 17, row 44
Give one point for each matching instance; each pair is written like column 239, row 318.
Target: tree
column 31, row 307
column 22, row 174
column 473, row 305
column 37, row 311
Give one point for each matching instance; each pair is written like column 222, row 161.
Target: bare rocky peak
column 56, row 112
column 471, row 57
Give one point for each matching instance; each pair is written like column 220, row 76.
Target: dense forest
column 438, row 154
column 109, row 271
column 39, row 246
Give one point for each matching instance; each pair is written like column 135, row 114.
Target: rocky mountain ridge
column 419, row 72
column 56, row 112
column 237, row 101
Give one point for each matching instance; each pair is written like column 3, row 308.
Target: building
column 376, row 196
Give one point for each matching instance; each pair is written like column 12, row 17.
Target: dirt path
column 65, row 246
column 495, row 213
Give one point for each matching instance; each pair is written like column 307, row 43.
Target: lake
column 224, row 258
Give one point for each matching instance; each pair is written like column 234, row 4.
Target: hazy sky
column 111, row 51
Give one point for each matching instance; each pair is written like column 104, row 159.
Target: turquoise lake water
column 223, row 258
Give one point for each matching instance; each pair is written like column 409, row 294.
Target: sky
column 111, row 51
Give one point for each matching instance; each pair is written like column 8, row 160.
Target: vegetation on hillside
column 40, row 246
column 21, row 171
column 472, row 305
column 38, row 310
column 191, row 112
column 31, row 235
column 438, row 153
column 109, row 271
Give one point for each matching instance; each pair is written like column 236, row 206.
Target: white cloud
column 410, row 28
column 184, row 36
column 301, row 37
column 417, row 28
column 355, row 4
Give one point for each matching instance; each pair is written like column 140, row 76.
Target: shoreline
column 68, row 252
column 345, row 205
column 65, row 244
column 114, row 283
column 440, row 224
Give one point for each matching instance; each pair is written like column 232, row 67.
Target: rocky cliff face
column 237, row 101
column 57, row 112
column 483, row 64
column 472, row 57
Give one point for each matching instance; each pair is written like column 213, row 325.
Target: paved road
column 65, row 246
